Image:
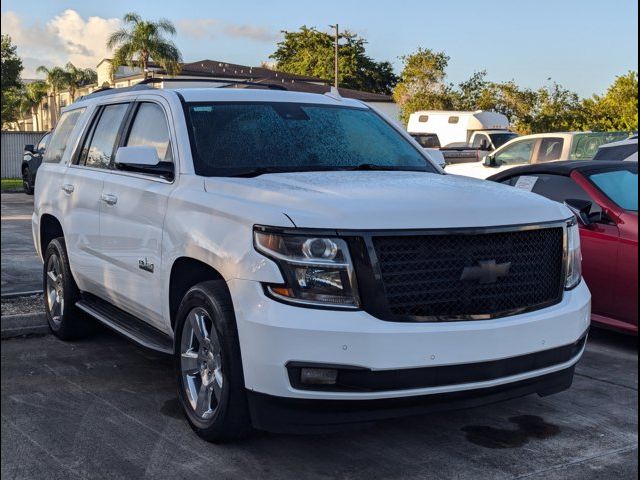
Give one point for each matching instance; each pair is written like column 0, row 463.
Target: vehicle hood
column 386, row 200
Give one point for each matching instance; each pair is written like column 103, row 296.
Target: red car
column 604, row 197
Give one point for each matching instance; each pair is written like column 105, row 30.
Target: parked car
column 31, row 160
column 622, row 150
column 538, row 148
column 479, row 129
column 605, row 197
column 302, row 259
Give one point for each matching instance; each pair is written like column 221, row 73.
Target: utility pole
column 335, row 55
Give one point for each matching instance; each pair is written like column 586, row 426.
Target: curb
column 28, row 293
column 23, row 324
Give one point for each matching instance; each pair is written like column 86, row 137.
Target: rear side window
column 550, row 149
column 150, row 129
column 99, row 144
column 60, row 136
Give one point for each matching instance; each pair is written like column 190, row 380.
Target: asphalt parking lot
column 21, row 267
column 104, row 408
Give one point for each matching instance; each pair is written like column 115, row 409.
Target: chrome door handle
column 109, row 199
column 68, row 188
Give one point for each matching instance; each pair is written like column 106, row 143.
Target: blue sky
column 580, row 44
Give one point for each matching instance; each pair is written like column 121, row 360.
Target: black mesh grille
column 422, row 274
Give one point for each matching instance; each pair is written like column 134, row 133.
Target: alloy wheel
column 55, row 289
column 201, row 363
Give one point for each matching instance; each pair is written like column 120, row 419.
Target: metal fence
column 12, row 149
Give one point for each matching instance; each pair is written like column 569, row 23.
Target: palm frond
column 132, row 17
column 166, row 25
column 118, row 37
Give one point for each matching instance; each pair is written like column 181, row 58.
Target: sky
column 582, row 45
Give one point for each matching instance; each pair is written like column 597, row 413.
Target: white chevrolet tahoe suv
column 302, row 259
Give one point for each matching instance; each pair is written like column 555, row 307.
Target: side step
column 126, row 324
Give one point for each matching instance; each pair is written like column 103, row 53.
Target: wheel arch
column 185, row 273
column 50, row 228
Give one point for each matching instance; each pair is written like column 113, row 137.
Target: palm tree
column 75, row 78
column 31, row 98
column 141, row 41
column 56, row 80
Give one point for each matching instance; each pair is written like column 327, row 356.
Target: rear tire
column 208, row 364
column 61, row 293
column 27, row 181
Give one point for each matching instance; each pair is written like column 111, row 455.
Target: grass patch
column 11, row 184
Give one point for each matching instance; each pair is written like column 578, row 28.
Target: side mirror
column 137, row 156
column 142, row 159
column 581, row 209
column 489, row 161
column 29, row 148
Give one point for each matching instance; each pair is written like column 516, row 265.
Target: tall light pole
column 335, row 55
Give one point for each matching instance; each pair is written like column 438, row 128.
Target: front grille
column 422, row 274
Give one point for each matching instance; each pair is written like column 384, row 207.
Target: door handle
column 109, row 199
column 68, row 188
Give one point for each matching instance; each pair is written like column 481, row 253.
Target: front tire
column 208, row 364
column 61, row 293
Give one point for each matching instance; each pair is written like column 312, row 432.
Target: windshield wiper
column 254, row 172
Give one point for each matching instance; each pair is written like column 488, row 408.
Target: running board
column 126, row 324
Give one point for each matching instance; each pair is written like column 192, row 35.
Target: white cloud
column 65, row 38
column 211, row 28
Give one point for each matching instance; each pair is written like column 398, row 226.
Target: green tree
column 422, row 83
column 310, row 52
column 617, row 109
column 56, row 79
column 30, row 99
column 557, row 109
column 10, row 84
column 140, row 42
column 75, row 78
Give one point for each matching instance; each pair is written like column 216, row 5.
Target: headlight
column 574, row 255
column 317, row 269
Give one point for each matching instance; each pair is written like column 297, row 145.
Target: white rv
column 479, row 129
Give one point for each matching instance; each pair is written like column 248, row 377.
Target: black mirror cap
column 581, row 209
column 29, row 148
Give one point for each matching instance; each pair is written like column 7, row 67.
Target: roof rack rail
column 146, row 84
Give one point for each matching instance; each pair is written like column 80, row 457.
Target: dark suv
column 31, row 160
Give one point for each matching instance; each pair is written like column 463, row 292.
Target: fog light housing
column 318, row 376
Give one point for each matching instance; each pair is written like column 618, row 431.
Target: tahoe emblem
column 487, row 271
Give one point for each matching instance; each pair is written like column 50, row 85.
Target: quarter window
column 150, row 129
column 100, row 143
column 60, row 136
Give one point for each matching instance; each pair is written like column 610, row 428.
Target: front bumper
column 274, row 334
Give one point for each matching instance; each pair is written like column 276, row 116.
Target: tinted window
column 616, row 153
column 150, row 129
column 427, row 140
column 621, row 187
column 98, row 148
column 60, row 135
column 453, row 119
column 557, row 187
column 516, row 153
column 550, row 149
column 233, row 137
column 423, row 118
column 500, row 139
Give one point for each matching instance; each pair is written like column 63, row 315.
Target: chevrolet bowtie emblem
column 487, row 271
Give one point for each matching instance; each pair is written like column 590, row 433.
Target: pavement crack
column 606, row 381
column 628, row 448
